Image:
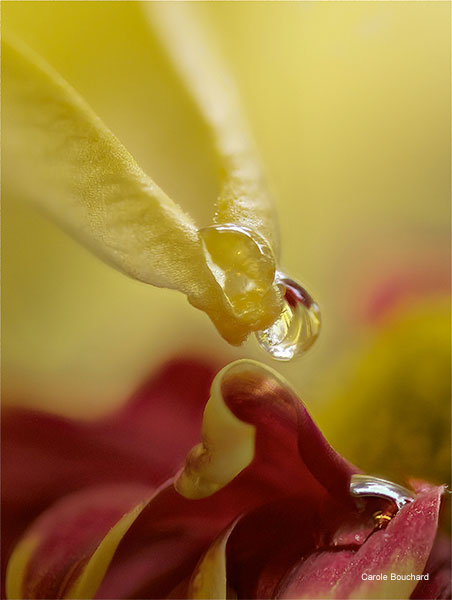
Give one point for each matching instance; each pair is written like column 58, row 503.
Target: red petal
column 284, row 427
column 284, row 452
column 45, row 457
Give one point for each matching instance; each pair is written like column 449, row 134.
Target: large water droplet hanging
column 298, row 325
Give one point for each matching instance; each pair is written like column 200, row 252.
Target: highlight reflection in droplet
column 368, row 486
column 298, row 325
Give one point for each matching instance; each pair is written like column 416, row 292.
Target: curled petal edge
column 229, row 443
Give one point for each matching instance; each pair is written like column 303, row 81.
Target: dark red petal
column 163, row 546
column 45, row 457
column 268, row 541
column 289, row 459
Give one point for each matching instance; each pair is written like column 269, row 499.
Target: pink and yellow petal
column 255, row 426
column 209, row 579
column 251, row 456
column 146, row 441
column 67, row 551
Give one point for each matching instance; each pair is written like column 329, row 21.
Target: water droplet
column 367, row 486
column 298, row 325
column 243, row 265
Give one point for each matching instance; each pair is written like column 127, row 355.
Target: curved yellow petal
column 227, row 445
column 59, row 154
column 244, row 198
column 92, row 575
column 209, row 577
column 17, row 566
column 58, row 558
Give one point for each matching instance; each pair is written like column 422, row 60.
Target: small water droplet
column 298, row 325
column 366, row 485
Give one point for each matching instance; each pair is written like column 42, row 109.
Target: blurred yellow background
column 349, row 103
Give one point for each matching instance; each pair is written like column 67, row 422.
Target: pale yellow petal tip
column 17, row 566
column 22, row 575
column 243, row 266
column 228, row 443
column 209, row 579
column 87, row 584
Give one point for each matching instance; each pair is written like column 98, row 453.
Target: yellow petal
column 227, row 445
column 209, row 577
column 92, row 575
column 78, row 171
column 244, row 198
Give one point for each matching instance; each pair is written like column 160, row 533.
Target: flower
column 262, row 472
column 262, row 507
column 333, row 98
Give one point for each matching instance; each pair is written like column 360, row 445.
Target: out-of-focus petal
column 209, row 577
column 79, row 172
column 438, row 567
column 146, row 442
column 398, row 385
column 244, row 199
column 254, row 420
column 401, row 549
column 66, row 552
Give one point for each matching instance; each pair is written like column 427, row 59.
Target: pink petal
column 56, row 551
column 438, row 566
column 402, row 548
